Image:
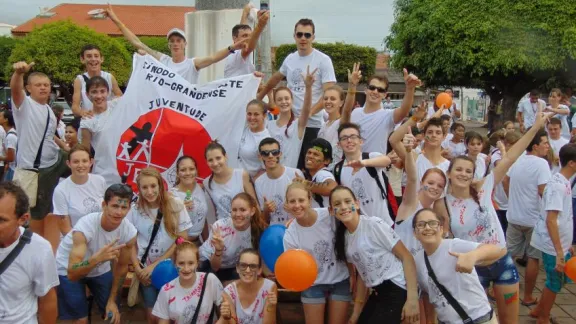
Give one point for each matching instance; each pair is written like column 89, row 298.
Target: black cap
column 323, row 146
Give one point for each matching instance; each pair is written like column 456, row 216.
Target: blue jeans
column 72, row 302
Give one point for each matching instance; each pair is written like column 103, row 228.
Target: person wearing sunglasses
column 271, row 185
column 251, row 289
column 85, row 256
column 376, row 122
column 293, row 67
column 453, row 262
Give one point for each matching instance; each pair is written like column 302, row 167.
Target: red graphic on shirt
column 156, row 140
column 171, row 300
column 196, row 292
column 168, row 287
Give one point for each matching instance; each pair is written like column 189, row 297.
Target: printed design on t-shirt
column 296, row 82
column 370, row 265
column 199, row 211
column 280, row 138
column 436, row 297
column 484, row 232
column 278, row 216
column 323, row 252
column 360, row 192
column 251, row 318
column 225, row 203
column 90, row 205
column 194, row 294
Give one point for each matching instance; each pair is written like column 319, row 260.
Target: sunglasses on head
column 274, row 152
column 300, row 34
column 380, row 90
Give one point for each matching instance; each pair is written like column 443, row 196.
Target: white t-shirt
column 456, row 149
column 104, row 152
column 405, row 231
column 464, row 287
column 275, row 190
column 329, row 132
column 96, row 238
column 524, row 202
column 565, row 131
column 144, row 223
column 369, row 248
column 375, row 128
column 500, row 197
column 556, row 145
column 469, row 223
column 30, row 120
column 85, row 103
column 198, row 214
column 289, row 145
column 294, row 67
column 557, row 197
column 366, row 190
column 30, row 276
column 254, row 313
column 222, row 194
column 423, row 164
column 480, row 170
column 320, row 177
column 10, row 142
column 234, row 242
column 318, row 240
column 179, row 304
column 395, row 175
column 237, row 65
column 186, row 69
column 76, row 200
column 248, row 153
column 61, row 129
column 528, row 110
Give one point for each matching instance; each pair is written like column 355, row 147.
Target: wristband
column 231, row 50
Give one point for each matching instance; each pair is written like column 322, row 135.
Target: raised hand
column 421, row 111
column 110, row 252
column 108, row 12
column 269, row 206
column 22, row 67
column 411, row 80
column 217, row 240
column 356, row 165
column 541, row 117
column 355, row 76
column 272, row 297
column 263, row 17
column 408, row 141
column 225, row 311
column 309, row 78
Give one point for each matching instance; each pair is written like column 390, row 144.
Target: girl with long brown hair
column 155, row 205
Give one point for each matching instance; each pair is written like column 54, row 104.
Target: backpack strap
column 338, row 171
column 85, row 77
column 374, row 174
column 25, row 238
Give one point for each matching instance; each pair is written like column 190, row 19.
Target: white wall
column 5, row 29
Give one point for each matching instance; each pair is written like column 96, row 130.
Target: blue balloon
column 163, row 273
column 272, row 244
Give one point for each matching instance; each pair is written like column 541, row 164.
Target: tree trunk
column 509, row 106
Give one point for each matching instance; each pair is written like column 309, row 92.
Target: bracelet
column 414, row 118
column 231, row 50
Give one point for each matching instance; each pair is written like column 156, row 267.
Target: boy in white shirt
column 9, row 144
column 319, row 179
column 271, row 185
column 553, row 232
column 28, row 285
column 556, row 141
column 527, row 108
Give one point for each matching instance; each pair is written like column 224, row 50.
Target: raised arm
column 202, row 62
column 398, row 135
column 410, row 197
column 77, row 98
column 245, row 14
column 129, row 35
column 353, row 81
column 306, row 106
column 412, row 82
column 115, row 88
column 263, row 17
column 271, row 84
column 17, row 82
column 483, row 255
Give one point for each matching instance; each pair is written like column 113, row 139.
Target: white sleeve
column 327, row 70
column 129, row 233
column 298, row 173
column 259, row 194
column 206, row 249
column 544, row 174
column 382, row 233
column 573, row 121
column 59, row 201
column 86, row 123
column 160, row 309
column 323, row 176
column 289, row 239
column 46, row 274
column 553, row 197
column 284, row 67
column 521, row 106
column 216, row 288
column 11, row 141
column 463, row 246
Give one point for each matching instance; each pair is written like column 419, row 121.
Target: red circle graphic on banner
column 156, row 140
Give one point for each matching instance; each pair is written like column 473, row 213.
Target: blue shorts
column 72, row 301
column 317, row 294
column 9, row 174
column 149, row 295
column 554, row 280
column 501, row 272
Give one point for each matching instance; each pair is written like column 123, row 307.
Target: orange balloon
column 570, row 268
column 275, row 111
column 443, row 99
column 296, row 270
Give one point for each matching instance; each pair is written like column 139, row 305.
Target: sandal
column 534, row 303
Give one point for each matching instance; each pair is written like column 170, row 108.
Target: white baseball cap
column 176, row 31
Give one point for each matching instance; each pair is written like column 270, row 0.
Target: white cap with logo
column 176, row 31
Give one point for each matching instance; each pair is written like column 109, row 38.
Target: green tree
column 159, row 44
column 55, row 48
column 505, row 47
column 343, row 57
column 7, row 44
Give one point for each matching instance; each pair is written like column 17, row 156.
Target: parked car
column 68, row 115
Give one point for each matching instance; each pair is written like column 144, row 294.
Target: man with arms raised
column 28, row 283
column 86, row 253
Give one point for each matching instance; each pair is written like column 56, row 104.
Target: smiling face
column 187, row 263
column 149, row 188
column 344, row 206
column 187, row 171
column 461, row 173
column 315, row 160
column 79, row 163
column 298, row 202
column 350, row 141
column 459, row 134
column 98, row 95
column 249, row 267
column 433, row 185
column 92, row 60
column 115, row 210
column 433, row 136
column 283, row 99
column 216, row 160
column 255, row 117
column 475, row 146
column 332, row 101
column 71, row 135
column 176, row 44
column 377, row 95
column 241, row 213
column 270, row 155
column 39, row 88
column 428, row 229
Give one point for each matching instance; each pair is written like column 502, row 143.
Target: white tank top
column 85, row 103
column 254, row 314
column 222, row 194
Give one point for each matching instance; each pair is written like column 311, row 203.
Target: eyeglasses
column 350, row 137
column 433, row 224
column 243, row 266
column 300, row 34
column 380, row 90
column 274, row 152
column 121, row 188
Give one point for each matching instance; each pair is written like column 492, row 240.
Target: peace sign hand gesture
column 309, row 78
column 217, row 241
column 356, row 75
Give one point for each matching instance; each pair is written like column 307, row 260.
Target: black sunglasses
column 380, row 90
column 274, row 152
column 300, row 34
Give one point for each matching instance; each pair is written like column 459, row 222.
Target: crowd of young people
column 409, row 217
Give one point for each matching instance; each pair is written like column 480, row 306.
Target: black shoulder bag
column 451, row 300
column 24, row 239
column 197, row 311
column 155, row 229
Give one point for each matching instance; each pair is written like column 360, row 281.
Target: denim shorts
column 554, row 280
column 72, row 301
column 149, row 295
column 501, row 272
column 317, row 294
